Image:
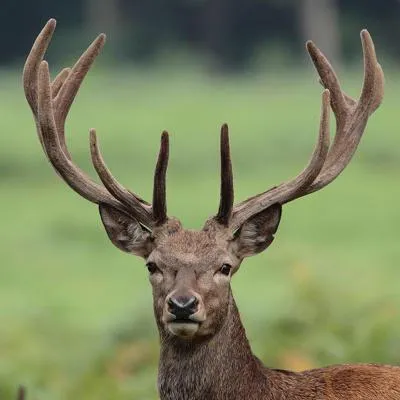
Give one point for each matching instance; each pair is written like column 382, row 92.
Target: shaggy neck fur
column 220, row 367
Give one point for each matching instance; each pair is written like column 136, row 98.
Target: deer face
column 190, row 271
column 190, row 274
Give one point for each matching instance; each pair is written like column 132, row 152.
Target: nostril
column 192, row 303
column 182, row 306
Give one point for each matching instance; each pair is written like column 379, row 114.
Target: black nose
column 182, row 307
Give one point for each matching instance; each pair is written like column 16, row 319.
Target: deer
column 204, row 351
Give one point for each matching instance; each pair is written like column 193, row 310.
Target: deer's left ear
column 126, row 232
column 257, row 233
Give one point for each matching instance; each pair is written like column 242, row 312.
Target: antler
column 327, row 162
column 227, row 193
column 21, row 393
column 50, row 103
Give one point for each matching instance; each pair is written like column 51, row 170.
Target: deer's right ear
column 126, row 232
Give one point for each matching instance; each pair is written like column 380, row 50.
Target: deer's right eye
column 152, row 267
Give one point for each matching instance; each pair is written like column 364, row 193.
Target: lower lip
column 186, row 329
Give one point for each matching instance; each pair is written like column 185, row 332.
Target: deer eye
column 152, row 267
column 225, row 269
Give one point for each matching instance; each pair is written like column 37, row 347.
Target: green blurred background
column 76, row 319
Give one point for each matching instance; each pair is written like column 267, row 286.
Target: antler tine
column 227, row 192
column 352, row 119
column 31, row 67
column 68, row 91
column 328, row 78
column 56, row 86
column 59, row 81
column 368, row 90
column 159, row 188
column 294, row 188
column 31, row 70
column 140, row 207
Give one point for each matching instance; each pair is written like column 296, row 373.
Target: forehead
column 189, row 248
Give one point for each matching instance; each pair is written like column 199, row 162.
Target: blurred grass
column 76, row 314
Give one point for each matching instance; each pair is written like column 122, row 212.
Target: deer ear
column 126, row 232
column 257, row 233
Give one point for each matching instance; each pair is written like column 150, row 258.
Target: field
column 76, row 316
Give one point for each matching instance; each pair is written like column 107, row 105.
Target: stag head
column 190, row 271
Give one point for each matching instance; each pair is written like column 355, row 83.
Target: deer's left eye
column 225, row 269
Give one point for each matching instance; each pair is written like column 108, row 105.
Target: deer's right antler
column 50, row 103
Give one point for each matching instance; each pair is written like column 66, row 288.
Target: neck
column 218, row 368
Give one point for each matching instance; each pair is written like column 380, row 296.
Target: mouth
column 184, row 328
column 183, row 321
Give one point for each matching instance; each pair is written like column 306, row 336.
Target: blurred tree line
column 228, row 32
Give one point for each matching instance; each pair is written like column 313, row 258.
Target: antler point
column 44, row 68
column 224, row 129
column 310, row 45
column 364, row 32
column 164, row 136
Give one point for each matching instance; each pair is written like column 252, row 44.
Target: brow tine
column 160, row 175
column 227, row 191
column 113, row 186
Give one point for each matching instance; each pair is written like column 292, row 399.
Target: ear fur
column 257, row 233
column 125, row 232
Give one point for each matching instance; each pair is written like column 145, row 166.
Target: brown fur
column 217, row 363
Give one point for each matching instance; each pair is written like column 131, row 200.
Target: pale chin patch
column 183, row 330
